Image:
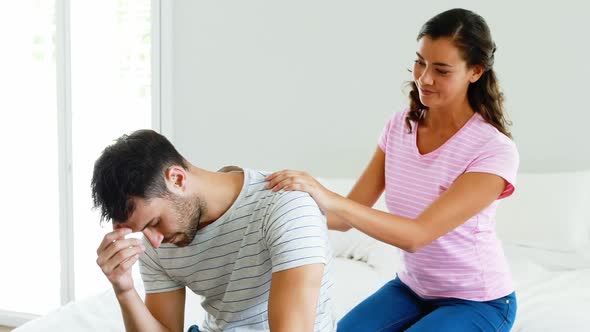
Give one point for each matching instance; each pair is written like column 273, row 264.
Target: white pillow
column 547, row 210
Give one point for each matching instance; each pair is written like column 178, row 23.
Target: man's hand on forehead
column 116, row 255
column 124, row 232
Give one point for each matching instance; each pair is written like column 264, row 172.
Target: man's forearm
column 136, row 315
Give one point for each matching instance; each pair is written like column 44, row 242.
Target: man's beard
column 189, row 212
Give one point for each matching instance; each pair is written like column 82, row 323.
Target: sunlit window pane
column 29, row 198
column 110, row 51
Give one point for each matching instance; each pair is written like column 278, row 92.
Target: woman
column 444, row 163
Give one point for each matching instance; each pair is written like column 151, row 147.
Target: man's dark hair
column 134, row 166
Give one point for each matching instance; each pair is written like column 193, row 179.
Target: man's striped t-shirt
column 230, row 262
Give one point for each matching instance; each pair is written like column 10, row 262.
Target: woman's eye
column 444, row 72
column 419, row 62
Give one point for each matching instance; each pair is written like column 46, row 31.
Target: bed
column 545, row 228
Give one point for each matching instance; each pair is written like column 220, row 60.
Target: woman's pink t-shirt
column 468, row 262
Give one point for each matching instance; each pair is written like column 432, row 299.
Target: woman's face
column 441, row 74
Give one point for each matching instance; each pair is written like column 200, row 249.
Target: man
column 260, row 259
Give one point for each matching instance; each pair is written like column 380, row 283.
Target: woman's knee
column 391, row 308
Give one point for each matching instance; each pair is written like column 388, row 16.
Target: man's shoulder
column 275, row 202
column 288, row 206
column 256, row 189
column 286, row 200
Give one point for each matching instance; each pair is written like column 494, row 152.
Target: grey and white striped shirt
column 230, row 262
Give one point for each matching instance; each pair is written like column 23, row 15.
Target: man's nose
column 154, row 237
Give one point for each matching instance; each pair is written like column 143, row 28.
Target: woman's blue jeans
column 395, row 307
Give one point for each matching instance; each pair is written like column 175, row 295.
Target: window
column 110, row 94
column 30, row 191
column 110, row 52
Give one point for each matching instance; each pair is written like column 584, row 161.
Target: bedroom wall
column 310, row 84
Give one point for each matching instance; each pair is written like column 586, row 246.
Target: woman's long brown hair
column 472, row 36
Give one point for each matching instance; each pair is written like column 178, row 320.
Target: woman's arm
column 469, row 194
column 366, row 191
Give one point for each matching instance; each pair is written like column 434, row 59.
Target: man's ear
column 476, row 72
column 176, row 179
